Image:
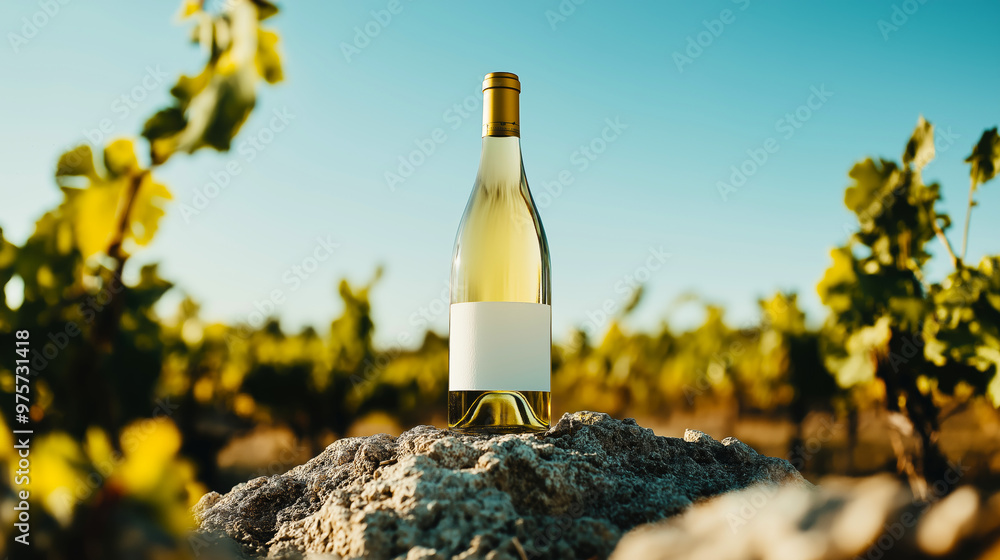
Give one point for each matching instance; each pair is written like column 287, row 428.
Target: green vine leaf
column 78, row 162
column 920, row 149
column 964, row 330
column 210, row 108
column 93, row 207
column 895, row 211
column 858, row 367
column 985, row 158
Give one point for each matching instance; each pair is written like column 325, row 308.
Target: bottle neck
column 500, row 162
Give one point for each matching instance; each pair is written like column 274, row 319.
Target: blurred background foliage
column 137, row 415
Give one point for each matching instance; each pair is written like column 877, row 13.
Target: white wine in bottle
column 500, row 320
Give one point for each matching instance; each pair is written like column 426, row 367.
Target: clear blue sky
column 655, row 185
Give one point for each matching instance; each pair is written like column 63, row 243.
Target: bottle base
column 499, row 412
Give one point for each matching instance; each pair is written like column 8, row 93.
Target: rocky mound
column 571, row 492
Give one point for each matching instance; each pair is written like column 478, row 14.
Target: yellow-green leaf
column 994, row 391
column 985, row 157
column 189, row 8
column 210, row 108
column 93, row 211
column 77, row 162
column 268, row 61
column 265, row 9
column 93, row 215
column 144, row 219
column 120, row 160
column 920, row 149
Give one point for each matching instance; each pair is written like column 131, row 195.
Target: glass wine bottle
column 500, row 318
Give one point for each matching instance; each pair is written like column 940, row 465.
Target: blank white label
column 499, row 346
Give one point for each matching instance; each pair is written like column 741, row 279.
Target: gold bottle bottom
column 499, row 412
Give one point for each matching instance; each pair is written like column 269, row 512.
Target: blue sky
column 683, row 123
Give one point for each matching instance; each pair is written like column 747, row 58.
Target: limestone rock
column 571, row 492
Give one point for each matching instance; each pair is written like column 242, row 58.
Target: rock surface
column 571, row 492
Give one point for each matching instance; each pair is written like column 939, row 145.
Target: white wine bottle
column 500, row 320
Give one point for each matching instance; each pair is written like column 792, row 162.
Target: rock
column 875, row 518
column 571, row 492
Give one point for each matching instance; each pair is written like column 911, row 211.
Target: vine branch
column 955, row 261
column 968, row 217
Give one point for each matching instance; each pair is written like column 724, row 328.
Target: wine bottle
column 500, row 318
